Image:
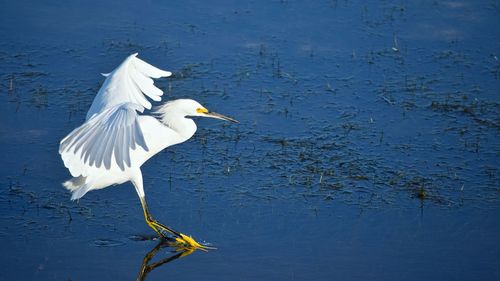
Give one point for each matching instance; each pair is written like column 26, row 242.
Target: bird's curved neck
column 184, row 127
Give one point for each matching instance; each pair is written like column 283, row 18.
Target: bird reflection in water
column 177, row 250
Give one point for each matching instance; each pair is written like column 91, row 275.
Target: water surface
column 367, row 146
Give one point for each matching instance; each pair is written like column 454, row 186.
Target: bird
column 118, row 137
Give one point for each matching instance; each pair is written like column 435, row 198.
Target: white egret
column 115, row 140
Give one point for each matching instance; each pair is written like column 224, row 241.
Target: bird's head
column 190, row 108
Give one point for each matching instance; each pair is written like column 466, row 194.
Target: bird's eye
column 201, row 110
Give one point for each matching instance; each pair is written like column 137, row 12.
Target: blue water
column 367, row 146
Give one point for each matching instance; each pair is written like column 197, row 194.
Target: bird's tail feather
column 77, row 186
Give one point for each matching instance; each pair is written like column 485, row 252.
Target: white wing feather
column 129, row 82
column 109, row 135
column 112, row 129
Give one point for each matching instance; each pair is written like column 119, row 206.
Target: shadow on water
column 147, row 266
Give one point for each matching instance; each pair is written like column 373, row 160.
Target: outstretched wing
column 105, row 139
column 128, row 83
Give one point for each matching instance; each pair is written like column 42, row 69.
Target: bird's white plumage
column 129, row 83
column 109, row 135
column 112, row 131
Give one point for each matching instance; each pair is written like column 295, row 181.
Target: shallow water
column 367, row 146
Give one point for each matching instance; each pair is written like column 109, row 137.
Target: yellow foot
column 189, row 242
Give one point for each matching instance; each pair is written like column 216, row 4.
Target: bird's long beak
column 220, row 116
